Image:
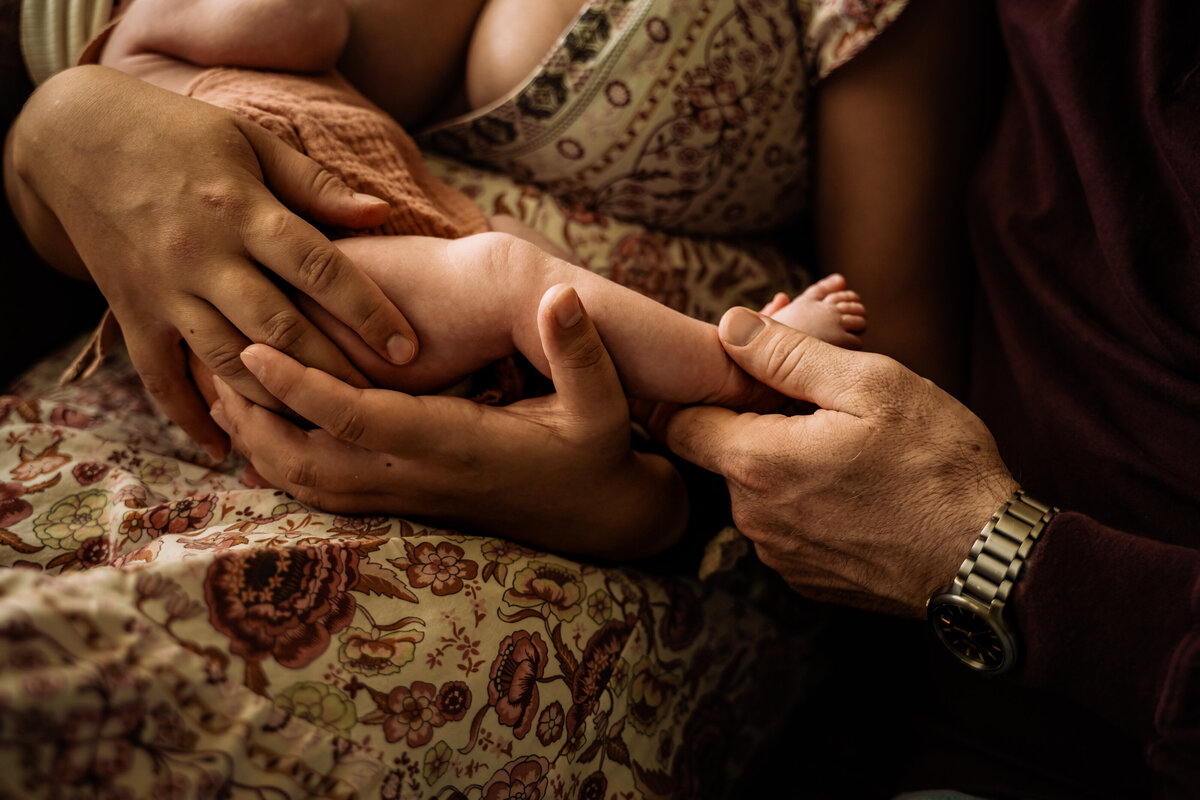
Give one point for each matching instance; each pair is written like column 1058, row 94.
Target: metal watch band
column 999, row 554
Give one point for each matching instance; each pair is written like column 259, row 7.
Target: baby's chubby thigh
column 451, row 292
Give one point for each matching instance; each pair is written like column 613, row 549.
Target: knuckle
column 223, row 359
column 322, row 181
column 282, row 330
column 223, row 200
column 885, row 380
column 300, row 476
column 746, row 469
column 373, row 317
column 784, row 353
column 275, row 223
column 585, row 352
column 347, row 424
column 319, row 269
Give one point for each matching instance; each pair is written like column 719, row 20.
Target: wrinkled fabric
column 1088, row 373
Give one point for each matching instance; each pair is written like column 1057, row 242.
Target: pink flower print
column 12, row 508
column 442, row 567
column 454, row 700
column 34, row 464
column 595, row 672
column 132, row 495
column 513, row 681
column 181, row 516
column 549, row 588
column 72, row 418
column 717, row 107
column 523, row 779
column 89, row 472
column 550, row 724
column 377, row 653
column 95, row 552
column 413, row 714
column 282, row 603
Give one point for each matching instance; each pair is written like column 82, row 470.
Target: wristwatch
column 968, row 615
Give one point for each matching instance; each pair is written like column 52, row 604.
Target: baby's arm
column 263, row 34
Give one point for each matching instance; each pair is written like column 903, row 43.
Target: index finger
column 372, row 418
column 246, row 306
column 707, row 436
column 298, row 253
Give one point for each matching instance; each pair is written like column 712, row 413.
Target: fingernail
column 215, row 452
column 739, row 326
column 400, row 349
column 567, row 310
column 368, row 198
column 252, row 362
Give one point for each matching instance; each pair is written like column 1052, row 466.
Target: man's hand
column 556, row 471
column 183, row 213
column 871, row 501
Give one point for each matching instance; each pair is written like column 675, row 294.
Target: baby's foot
column 826, row 309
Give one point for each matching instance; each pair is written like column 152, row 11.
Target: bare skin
column 557, row 471
column 838, row 500
column 872, row 501
column 176, row 265
column 475, row 300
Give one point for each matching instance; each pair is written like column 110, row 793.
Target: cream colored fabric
column 54, row 32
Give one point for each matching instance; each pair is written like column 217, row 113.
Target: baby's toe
column 854, row 322
column 849, row 307
column 826, row 286
column 843, row 296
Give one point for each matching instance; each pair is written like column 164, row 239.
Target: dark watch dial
column 970, row 636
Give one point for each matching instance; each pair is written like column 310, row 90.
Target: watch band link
column 999, row 554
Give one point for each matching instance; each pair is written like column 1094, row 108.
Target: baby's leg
column 461, row 311
column 826, row 309
column 474, row 300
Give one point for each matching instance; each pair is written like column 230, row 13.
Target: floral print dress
column 166, row 631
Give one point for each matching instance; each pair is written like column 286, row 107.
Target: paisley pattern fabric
column 687, row 116
column 168, row 632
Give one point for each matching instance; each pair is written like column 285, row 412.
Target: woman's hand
column 555, row 472
column 170, row 205
column 873, row 500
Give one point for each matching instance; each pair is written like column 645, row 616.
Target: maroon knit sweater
column 1086, row 226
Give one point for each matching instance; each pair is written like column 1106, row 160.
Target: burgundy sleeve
column 1112, row 620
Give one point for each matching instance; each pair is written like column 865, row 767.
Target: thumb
column 580, row 366
column 308, row 189
column 795, row 364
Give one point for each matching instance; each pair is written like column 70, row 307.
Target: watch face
column 971, row 635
